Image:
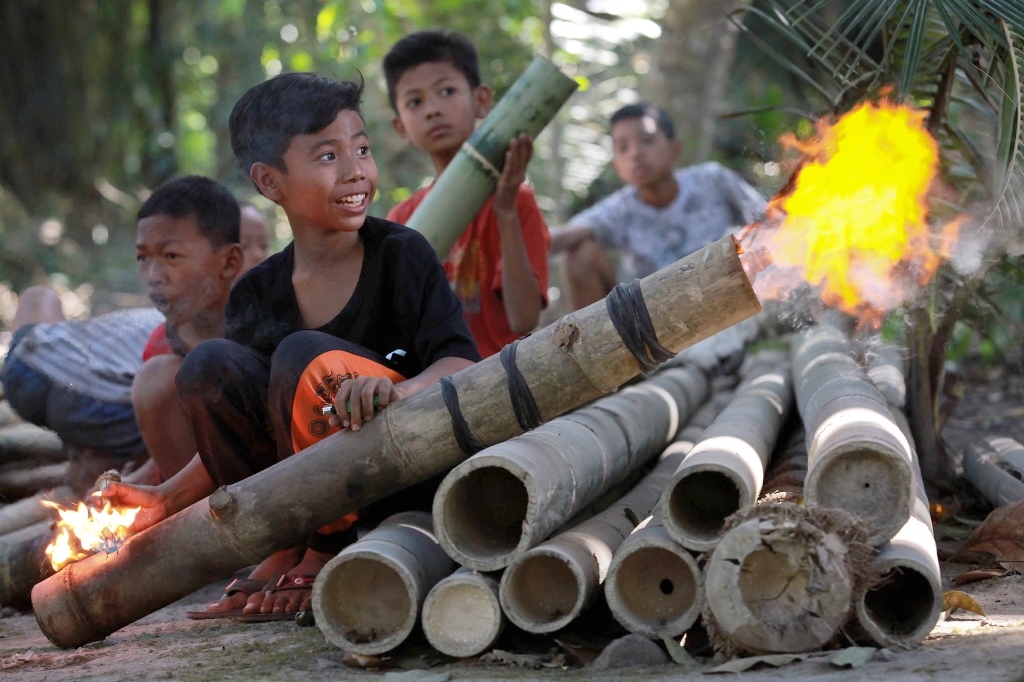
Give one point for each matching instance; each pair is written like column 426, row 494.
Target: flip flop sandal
column 246, row 586
column 285, row 583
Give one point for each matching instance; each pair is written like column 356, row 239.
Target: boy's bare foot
column 294, row 592
column 275, row 565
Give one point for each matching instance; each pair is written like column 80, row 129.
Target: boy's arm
column 520, row 289
column 569, row 237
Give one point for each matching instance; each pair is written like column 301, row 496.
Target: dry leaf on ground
column 981, row 574
column 955, row 599
column 1002, row 535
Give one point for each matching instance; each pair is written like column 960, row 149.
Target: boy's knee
column 204, row 365
column 585, row 259
column 155, row 380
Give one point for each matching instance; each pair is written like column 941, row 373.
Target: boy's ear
column 233, row 260
column 483, row 98
column 265, row 177
column 399, row 127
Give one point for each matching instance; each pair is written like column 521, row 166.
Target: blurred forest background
column 102, row 100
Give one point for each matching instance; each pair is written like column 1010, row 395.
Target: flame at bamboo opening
column 87, row 529
column 853, row 221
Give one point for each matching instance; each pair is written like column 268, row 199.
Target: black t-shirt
column 402, row 301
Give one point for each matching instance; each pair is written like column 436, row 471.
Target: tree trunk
column 692, row 61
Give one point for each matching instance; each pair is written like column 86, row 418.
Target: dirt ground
column 167, row 646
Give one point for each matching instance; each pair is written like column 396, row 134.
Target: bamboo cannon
column 462, row 615
column 19, row 480
column 995, row 466
column 724, row 471
column 858, row 458
column 568, row 363
column 465, row 185
column 653, row 586
column 366, row 600
column 23, row 562
column 511, row 496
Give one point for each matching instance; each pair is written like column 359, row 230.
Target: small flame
column 86, row 530
column 853, row 221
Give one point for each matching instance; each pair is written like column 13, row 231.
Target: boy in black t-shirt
column 355, row 309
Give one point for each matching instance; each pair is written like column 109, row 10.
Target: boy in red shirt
column 499, row 266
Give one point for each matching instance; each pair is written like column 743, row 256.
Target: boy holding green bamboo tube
column 499, row 265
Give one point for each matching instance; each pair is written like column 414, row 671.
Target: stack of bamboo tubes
column 715, row 483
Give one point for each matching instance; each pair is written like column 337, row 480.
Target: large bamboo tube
column 902, row 599
column 467, row 182
column 23, row 562
column 858, row 459
column 782, row 578
column 995, row 466
column 566, row 364
column 653, row 586
column 30, row 510
column 508, row 498
column 462, row 615
column 366, row 599
column 547, row 587
column 724, row 471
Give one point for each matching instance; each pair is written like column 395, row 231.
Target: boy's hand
column 149, row 499
column 517, row 158
column 359, row 395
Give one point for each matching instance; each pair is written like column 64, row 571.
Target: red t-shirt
column 473, row 265
column 158, row 343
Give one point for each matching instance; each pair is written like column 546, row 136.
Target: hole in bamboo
column 541, row 589
column 642, row 579
column 901, row 603
column 700, row 503
column 864, row 482
column 364, row 601
column 484, row 513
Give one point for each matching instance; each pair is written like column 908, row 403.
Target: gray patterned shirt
column 712, row 200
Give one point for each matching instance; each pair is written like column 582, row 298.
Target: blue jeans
column 80, row 420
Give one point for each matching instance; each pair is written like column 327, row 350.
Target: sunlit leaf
column 852, row 657
column 955, row 599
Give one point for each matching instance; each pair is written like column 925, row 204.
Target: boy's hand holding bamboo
column 359, row 398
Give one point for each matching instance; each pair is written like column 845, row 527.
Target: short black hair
column 424, row 47
column 214, row 206
column 642, row 109
column 267, row 117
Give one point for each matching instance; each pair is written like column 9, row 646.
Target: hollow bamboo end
column 903, row 605
column 542, row 591
column 481, row 513
column 462, row 615
column 364, row 602
column 654, row 587
column 699, row 499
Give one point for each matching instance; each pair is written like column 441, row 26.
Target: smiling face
column 330, row 177
column 641, row 154
column 184, row 275
column 437, row 108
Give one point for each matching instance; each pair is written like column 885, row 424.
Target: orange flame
column 853, row 222
column 86, row 530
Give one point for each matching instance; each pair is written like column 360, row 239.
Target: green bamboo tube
column 465, row 185
column 566, row 364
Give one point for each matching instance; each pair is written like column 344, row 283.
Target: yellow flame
column 854, row 221
column 86, row 530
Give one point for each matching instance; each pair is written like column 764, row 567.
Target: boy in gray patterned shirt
column 660, row 216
